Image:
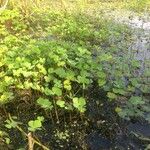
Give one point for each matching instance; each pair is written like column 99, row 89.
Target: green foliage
column 54, row 57
column 111, row 95
column 35, row 124
column 61, row 103
column 4, row 137
column 139, row 5
column 66, row 53
column 45, row 103
column 79, row 103
column 11, row 123
column 136, row 107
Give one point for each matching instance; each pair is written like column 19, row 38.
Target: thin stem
column 30, row 141
column 33, row 140
column 52, row 117
column 56, row 111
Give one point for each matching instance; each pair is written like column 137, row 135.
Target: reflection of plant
column 135, row 107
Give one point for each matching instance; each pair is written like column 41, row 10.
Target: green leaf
column 47, row 91
column 79, row 103
column 136, row 100
column 135, row 63
column 105, row 57
column 119, row 91
column 8, row 79
column 31, row 129
column 57, row 91
column 34, row 125
column 83, row 79
column 37, row 124
column 8, row 126
column 11, row 124
column 111, row 95
column 118, row 109
column 60, row 103
column 101, row 82
column 67, row 85
column 26, row 73
column 45, row 103
column 147, row 73
column 60, row 72
column 135, row 82
column 82, row 101
column 7, row 140
column 40, row 118
column 70, row 75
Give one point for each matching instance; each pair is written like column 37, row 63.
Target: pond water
column 112, row 133
column 134, row 134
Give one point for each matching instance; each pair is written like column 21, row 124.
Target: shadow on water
column 108, row 131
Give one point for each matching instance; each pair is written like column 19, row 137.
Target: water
column 125, row 138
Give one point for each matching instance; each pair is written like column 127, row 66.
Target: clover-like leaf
column 79, row 103
column 45, row 103
column 35, row 124
column 60, row 103
column 101, row 82
column 57, row 91
column 67, row 85
column 136, row 100
column 111, row 95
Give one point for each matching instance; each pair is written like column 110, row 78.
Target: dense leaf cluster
column 59, row 55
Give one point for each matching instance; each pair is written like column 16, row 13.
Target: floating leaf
column 136, row 100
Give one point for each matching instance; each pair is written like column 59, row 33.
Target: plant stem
column 52, row 117
column 30, row 141
column 56, row 111
column 31, row 138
